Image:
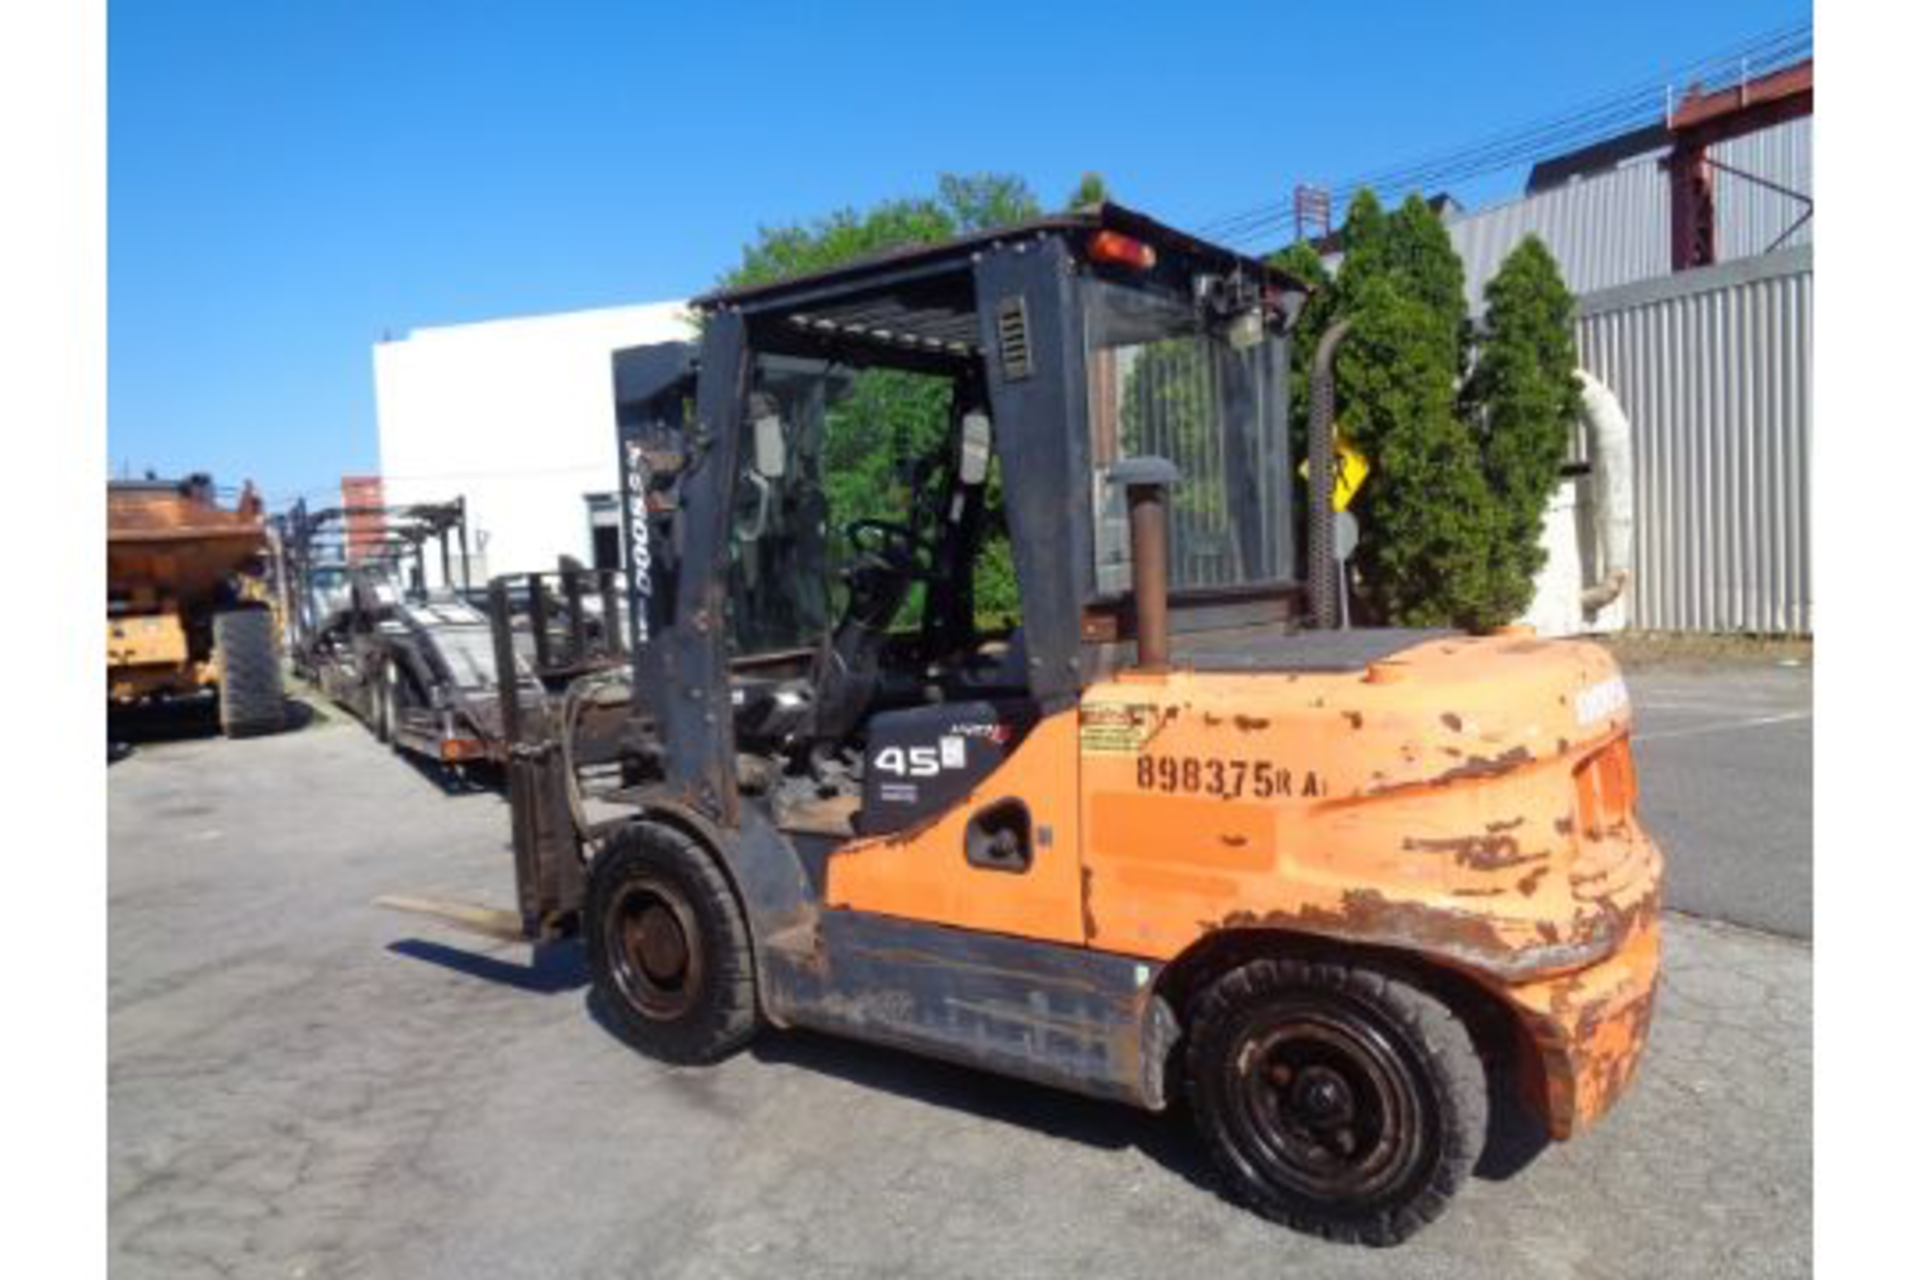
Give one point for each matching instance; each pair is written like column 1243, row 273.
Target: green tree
column 1092, row 189
column 1364, row 252
column 1523, row 399
column 1422, row 259
column 1425, row 513
column 887, row 417
column 1463, row 462
column 1322, row 308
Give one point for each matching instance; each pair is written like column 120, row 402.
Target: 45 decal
column 922, row 762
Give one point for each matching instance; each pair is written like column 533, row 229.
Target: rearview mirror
column 976, row 448
column 1247, row 329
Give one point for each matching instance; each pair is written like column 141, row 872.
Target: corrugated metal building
column 1713, row 367
column 1613, row 228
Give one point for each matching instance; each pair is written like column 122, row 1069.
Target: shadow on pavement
column 1514, row 1138
column 556, row 968
column 1165, row 1138
column 180, row 720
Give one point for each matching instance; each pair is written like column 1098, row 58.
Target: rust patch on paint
column 1477, row 853
column 1087, row 926
column 1453, row 722
column 1487, row 766
column 1354, row 718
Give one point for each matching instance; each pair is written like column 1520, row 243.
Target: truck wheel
column 667, row 945
column 252, row 697
column 1335, row 1099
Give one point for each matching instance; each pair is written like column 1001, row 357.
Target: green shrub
column 1465, row 432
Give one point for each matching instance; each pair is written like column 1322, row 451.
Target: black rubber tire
column 721, row 1010
column 252, row 693
column 1406, row 1053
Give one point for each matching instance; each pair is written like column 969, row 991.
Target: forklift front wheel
column 667, row 945
column 1334, row 1098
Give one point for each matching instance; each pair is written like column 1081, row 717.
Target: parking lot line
column 1756, row 722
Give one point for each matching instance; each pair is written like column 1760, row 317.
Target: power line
column 1592, row 121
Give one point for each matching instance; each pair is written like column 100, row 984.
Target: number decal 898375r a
column 1227, row 779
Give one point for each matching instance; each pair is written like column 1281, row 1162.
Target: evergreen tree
column 1523, row 400
column 1421, row 256
column 1463, row 464
column 1303, row 264
column 1091, row 190
column 1425, row 513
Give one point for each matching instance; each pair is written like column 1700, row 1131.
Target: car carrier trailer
column 419, row 666
column 1164, row 838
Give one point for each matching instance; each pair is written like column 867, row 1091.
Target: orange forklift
column 1162, row 837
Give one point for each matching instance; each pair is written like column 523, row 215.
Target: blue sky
column 290, row 181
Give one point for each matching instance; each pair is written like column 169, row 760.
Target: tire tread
column 1457, row 1073
column 729, row 1016
column 252, row 691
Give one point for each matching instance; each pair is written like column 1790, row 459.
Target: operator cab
column 920, row 542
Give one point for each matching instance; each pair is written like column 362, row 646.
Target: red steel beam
column 1703, row 119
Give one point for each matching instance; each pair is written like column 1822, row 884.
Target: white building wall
column 515, row 415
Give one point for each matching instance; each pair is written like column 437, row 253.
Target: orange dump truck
column 186, row 601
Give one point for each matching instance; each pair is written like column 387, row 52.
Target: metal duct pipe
column 1322, row 571
column 1610, row 448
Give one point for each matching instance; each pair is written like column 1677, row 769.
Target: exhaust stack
column 1146, row 481
column 1322, row 571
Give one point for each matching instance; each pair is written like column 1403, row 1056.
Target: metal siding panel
column 1715, row 383
column 1613, row 228
column 1747, row 217
column 1606, row 230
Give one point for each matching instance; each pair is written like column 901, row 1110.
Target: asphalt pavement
column 1725, row 761
column 303, row 1085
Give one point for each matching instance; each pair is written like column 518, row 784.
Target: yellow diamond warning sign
column 1349, row 473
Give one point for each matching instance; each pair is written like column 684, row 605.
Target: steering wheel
column 886, row 541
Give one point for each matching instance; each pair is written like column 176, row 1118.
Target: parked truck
column 188, row 602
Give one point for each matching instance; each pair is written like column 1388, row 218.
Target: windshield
column 1164, row 381
column 849, row 444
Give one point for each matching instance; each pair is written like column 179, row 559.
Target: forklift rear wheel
column 667, row 944
column 1336, row 1099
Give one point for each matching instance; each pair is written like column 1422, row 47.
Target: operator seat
column 847, row 670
